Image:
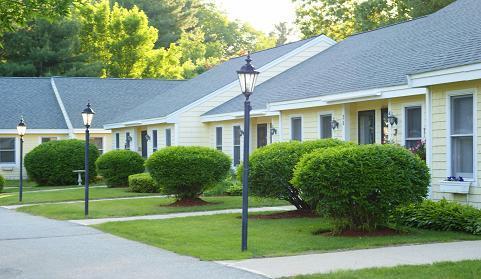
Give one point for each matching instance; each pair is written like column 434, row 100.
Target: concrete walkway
column 358, row 259
column 81, row 201
column 88, row 222
column 36, row 247
column 56, row 190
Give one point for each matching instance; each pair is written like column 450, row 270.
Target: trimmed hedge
column 360, row 186
column 142, row 183
column 442, row 216
column 272, row 167
column 52, row 163
column 117, row 165
column 187, row 171
column 2, row 183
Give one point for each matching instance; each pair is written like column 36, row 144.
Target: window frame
column 319, row 122
column 46, row 137
column 291, row 131
column 155, row 140
column 103, row 143
column 15, row 151
column 218, row 145
column 128, row 144
column 234, row 145
column 169, row 142
column 117, row 141
column 404, row 122
column 449, row 142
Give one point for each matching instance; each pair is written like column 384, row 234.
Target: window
column 128, row 138
column 99, row 143
column 47, row 139
column 461, row 135
column 168, row 137
column 413, row 133
column 325, row 126
column 7, row 150
column 218, row 138
column 296, row 128
column 237, row 141
column 117, row 141
column 154, row 140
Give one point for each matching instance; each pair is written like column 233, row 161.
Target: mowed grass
column 138, row 207
column 443, row 270
column 65, row 195
column 218, row 237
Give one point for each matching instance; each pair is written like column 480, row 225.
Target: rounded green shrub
column 52, row 163
column 2, row 183
column 117, row 165
column 142, row 183
column 187, row 171
column 272, row 167
column 360, row 186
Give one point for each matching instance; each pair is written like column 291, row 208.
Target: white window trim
column 115, row 141
column 324, row 113
column 403, row 120
column 103, row 142
column 154, row 148
column 222, row 138
column 42, row 137
column 302, row 126
column 165, row 137
column 473, row 92
column 241, row 152
column 16, row 155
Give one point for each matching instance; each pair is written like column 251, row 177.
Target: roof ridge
column 118, row 78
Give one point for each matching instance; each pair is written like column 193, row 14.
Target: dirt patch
column 190, row 202
column 286, row 215
column 359, row 233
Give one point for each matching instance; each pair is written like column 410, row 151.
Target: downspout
column 71, row 132
column 428, row 137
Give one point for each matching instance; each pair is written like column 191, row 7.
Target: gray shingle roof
column 34, row 99
column 109, row 97
column 200, row 86
column 380, row 58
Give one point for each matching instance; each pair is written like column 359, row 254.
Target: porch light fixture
column 273, row 131
column 21, row 130
column 247, row 79
column 334, row 124
column 391, row 119
column 147, row 137
column 87, row 116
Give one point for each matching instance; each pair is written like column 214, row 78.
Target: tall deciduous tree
column 281, row 33
column 341, row 18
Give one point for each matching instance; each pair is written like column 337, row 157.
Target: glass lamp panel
column 87, row 118
column 242, row 81
column 251, row 82
column 21, row 129
column 462, row 115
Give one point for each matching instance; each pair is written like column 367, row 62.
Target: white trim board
column 35, row 131
column 174, row 115
column 455, row 74
column 62, row 108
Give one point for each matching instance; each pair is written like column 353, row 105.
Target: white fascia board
column 366, row 95
column 237, row 115
column 455, row 74
column 36, row 131
column 174, row 115
column 93, row 131
column 62, row 107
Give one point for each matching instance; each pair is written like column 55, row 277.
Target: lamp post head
column 88, row 115
column 247, row 77
column 21, row 127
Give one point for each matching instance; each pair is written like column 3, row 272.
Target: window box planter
column 456, row 187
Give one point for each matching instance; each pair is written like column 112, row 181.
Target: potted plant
column 455, row 185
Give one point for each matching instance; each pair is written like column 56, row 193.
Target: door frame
column 373, row 111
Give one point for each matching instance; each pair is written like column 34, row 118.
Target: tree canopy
column 339, row 19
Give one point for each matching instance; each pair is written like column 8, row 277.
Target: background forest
column 172, row 39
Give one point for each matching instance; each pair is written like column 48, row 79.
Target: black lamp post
column 21, row 130
column 87, row 116
column 247, row 78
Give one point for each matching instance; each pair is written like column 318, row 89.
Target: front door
column 367, row 126
column 144, row 143
column 261, row 135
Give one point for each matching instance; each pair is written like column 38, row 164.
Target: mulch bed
column 286, row 215
column 358, row 233
column 190, row 202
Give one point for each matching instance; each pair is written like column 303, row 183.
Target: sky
column 262, row 14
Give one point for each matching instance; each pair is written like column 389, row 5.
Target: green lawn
column 137, row 207
column 218, row 237
column 444, row 270
column 65, row 195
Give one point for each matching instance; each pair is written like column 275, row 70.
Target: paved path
column 35, row 247
column 357, row 259
column 81, row 201
column 56, row 190
column 88, row 222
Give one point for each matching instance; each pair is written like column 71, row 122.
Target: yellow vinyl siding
column 440, row 134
